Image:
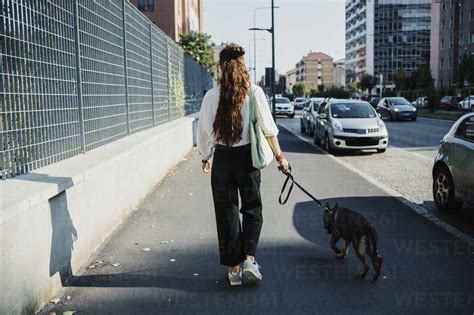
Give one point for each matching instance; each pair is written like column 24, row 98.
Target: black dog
column 353, row 228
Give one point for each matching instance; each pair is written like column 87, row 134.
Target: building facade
column 383, row 36
column 290, row 81
column 452, row 36
column 316, row 69
column 340, row 73
column 174, row 17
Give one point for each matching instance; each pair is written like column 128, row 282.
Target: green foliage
column 433, row 97
column 200, row 47
column 321, row 88
column 333, row 92
column 466, row 68
column 367, row 82
column 421, row 78
column 300, row 89
column 400, row 79
column 313, row 93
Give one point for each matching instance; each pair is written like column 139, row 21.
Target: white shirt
column 205, row 133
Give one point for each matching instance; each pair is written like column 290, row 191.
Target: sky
column 301, row 26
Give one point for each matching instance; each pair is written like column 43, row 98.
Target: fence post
column 169, row 77
column 127, row 105
column 151, row 73
column 79, row 77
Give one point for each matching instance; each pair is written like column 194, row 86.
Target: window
column 472, row 15
column 452, row 3
column 150, row 5
column 443, row 6
column 141, row 5
column 461, row 18
column 461, row 39
column 466, row 130
column 451, row 42
column 450, row 62
column 442, row 23
column 442, row 44
column 451, row 22
column 472, row 37
column 441, row 63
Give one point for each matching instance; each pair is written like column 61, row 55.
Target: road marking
column 412, row 204
column 414, row 153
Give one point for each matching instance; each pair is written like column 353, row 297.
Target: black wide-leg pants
column 233, row 174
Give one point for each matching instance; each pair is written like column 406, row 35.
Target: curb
column 420, row 209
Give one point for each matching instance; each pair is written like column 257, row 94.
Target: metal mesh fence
column 75, row 75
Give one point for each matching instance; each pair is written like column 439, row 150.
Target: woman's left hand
column 285, row 165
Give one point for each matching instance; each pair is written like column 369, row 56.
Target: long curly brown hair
column 234, row 86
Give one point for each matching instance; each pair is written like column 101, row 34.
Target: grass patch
column 440, row 115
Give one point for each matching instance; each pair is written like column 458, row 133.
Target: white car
column 467, row 103
column 350, row 124
column 300, row 102
column 284, row 107
column 420, row 102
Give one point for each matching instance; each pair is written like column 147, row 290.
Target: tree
column 200, row 47
column 321, row 88
column 367, row 82
column 466, row 68
column 421, row 78
column 400, row 79
column 313, row 93
column 300, row 89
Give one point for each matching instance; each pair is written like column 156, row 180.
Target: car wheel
column 310, row 130
column 381, row 150
column 302, row 127
column 414, row 118
column 316, row 139
column 291, row 115
column 390, row 117
column 327, row 145
column 443, row 190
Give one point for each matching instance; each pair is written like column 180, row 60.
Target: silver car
column 309, row 115
column 453, row 170
column 284, row 107
column 350, row 124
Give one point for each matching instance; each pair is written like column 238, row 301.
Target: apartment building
column 290, row 81
column 316, row 69
column 340, row 73
column 174, row 17
column 383, row 36
column 452, row 36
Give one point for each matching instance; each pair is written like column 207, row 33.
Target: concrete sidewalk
column 167, row 251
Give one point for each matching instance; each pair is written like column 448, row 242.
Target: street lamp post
column 272, row 31
column 255, row 40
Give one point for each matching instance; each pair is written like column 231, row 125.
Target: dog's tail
column 373, row 238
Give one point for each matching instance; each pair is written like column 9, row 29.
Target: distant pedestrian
column 224, row 136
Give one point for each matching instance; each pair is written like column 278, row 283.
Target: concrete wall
column 54, row 218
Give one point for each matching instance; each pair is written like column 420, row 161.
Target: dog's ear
column 327, row 205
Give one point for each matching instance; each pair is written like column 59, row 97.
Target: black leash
column 293, row 182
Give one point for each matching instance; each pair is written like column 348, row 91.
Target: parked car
column 420, row 102
column 284, row 107
column 396, row 108
column 467, row 103
column 350, row 124
column 449, row 102
column 300, row 102
column 453, row 170
column 310, row 114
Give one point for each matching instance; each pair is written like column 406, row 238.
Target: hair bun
column 230, row 52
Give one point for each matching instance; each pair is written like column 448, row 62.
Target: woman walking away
column 224, row 136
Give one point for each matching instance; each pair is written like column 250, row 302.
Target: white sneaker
column 252, row 271
column 235, row 278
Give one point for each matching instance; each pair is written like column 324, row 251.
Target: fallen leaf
column 91, row 266
column 69, row 312
column 184, row 159
column 68, row 297
column 55, row 301
column 172, row 260
column 52, row 313
column 195, row 274
column 146, row 249
column 164, row 242
column 116, row 265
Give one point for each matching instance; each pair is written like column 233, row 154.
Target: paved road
column 426, row 270
column 421, row 136
column 405, row 169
